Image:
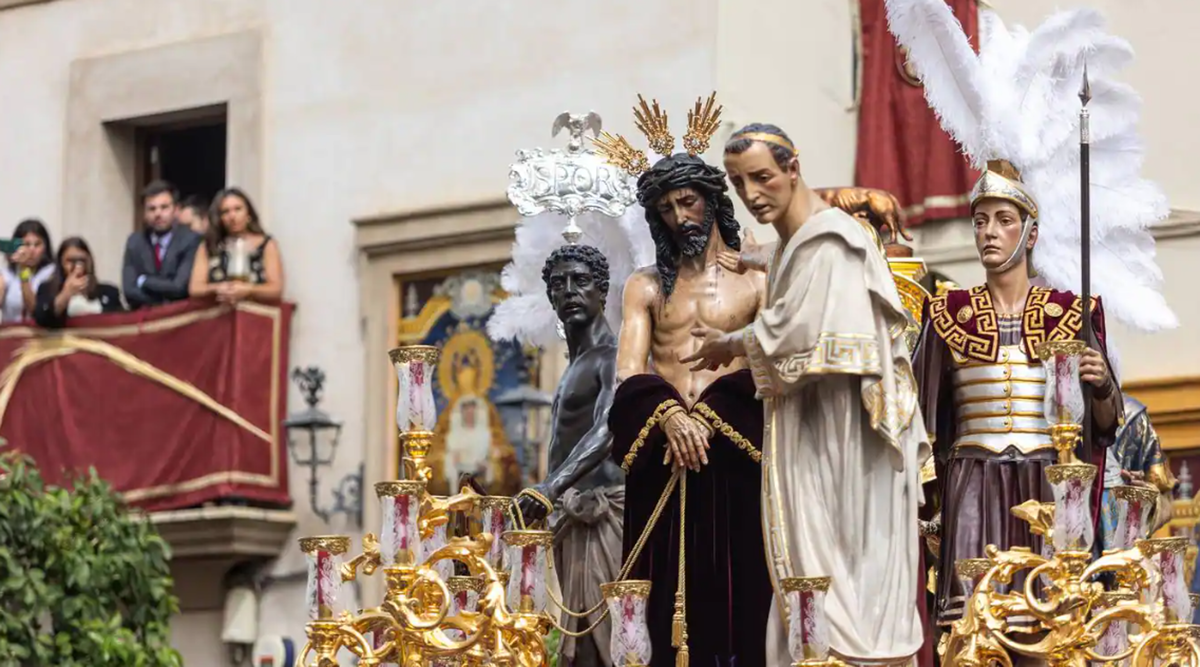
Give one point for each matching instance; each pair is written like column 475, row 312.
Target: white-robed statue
column 842, row 451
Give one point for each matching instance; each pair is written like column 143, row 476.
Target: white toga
column 844, row 444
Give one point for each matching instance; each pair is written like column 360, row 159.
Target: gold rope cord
column 634, row 553
column 627, row 462
column 40, row 350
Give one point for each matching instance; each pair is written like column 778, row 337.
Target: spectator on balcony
column 240, row 261
column 158, row 259
column 194, row 213
column 73, row 289
column 31, row 265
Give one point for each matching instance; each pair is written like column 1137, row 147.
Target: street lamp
column 521, row 410
column 322, row 433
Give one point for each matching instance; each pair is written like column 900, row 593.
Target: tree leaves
column 83, row 582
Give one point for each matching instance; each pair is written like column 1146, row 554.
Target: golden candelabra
column 1130, row 606
column 449, row 601
column 428, row 616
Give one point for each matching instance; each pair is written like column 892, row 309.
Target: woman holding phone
column 29, row 265
column 73, row 289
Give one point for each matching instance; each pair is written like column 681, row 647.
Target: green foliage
column 83, row 583
column 552, row 643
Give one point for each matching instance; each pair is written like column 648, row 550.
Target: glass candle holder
column 1134, row 506
column 1116, row 634
column 970, row 571
column 437, row 540
column 1064, row 391
column 808, row 629
column 1072, row 485
column 1167, row 553
column 399, row 537
column 630, row 642
column 324, row 592
column 526, row 552
column 415, row 407
column 493, row 519
column 464, row 594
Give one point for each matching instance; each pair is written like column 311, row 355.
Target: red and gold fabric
column 901, row 146
column 174, row 406
column 966, row 320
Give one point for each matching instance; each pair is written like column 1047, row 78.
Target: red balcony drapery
column 174, row 406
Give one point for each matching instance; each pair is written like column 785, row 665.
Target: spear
column 1085, row 247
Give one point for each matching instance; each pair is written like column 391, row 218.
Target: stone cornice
column 10, row 4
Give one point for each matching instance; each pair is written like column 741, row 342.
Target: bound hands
column 687, row 440
column 531, row 507
column 753, row 257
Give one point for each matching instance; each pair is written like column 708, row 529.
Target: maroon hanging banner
column 174, row 406
column 901, row 146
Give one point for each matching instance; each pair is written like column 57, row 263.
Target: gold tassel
column 678, row 624
column 681, row 656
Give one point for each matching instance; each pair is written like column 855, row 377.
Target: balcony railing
column 175, row 406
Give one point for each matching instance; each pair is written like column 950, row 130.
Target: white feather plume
column 1018, row 100
column 526, row 315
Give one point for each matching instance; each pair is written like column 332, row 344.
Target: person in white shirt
column 30, row 266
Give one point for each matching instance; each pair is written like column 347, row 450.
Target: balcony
column 180, row 408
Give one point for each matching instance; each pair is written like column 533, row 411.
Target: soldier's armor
column 1001, row 404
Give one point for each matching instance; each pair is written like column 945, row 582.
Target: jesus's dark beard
column 692, row 237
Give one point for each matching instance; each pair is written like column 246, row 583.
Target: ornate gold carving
column 652, row 122
column 703, row 122
column 804, row 584
column 1053, row 348
column 972, row 568
column 370, row 559
column 403, row 487
column 410, row 353
column 964, row 314
column 636, row 587
column 1082, row 472
column 334, row 544
column 464, row 584
column 528, row 538
column 617, row 150
column 1136, row 493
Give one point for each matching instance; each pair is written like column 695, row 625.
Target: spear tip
column 1085, row 90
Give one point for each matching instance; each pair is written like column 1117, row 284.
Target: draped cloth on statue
column 843, row 452
column 728, row 589
column 978, row 486
column 901, row 146
column 587, row 553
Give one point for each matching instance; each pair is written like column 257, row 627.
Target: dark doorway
column 191, row 155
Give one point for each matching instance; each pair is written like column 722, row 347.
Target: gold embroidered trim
column 715, row 422
column 653, row 421
column 833, row 353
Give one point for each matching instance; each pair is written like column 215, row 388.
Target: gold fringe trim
column 40, row 350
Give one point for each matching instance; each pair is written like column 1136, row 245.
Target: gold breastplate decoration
column 1001, row 404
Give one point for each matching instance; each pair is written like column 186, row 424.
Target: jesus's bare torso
column 656, row 334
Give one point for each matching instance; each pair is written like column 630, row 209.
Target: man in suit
column 158, row 259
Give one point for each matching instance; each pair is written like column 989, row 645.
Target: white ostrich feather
column 526, row 315
column 1018, row 100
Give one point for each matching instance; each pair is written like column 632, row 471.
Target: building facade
column 375, row 138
